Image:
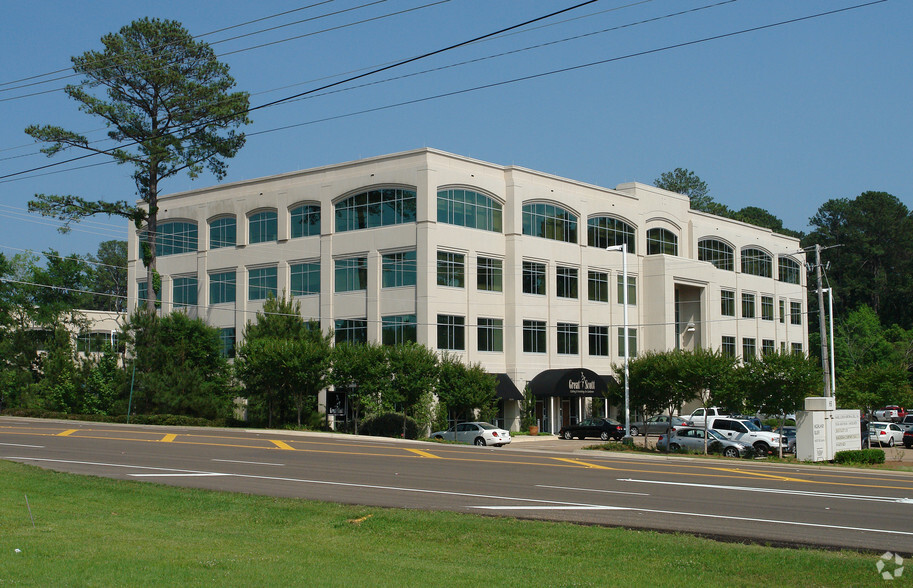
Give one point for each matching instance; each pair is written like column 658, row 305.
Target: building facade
column 501, row 265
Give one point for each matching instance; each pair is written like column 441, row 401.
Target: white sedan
column 476, row 433
column 889, row 434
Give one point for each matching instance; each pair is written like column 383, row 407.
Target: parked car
column 745, row 431
column 789, row 436
column 657, row 424
column 475, row 433
column 908, row 438
column 605, row 429
column 693, row 438
column 888, row 434
column 891, row 414
column 697, row 418
column 907, row 422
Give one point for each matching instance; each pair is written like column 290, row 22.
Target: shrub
column 389, row 424
column 860, row 456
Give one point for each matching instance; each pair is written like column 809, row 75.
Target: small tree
column 466, row 389
column 709, row 374
column 414, row 370
column 527, row 409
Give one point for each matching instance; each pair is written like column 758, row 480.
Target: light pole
column 624, row 287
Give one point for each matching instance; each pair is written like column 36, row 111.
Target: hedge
column 860, row 456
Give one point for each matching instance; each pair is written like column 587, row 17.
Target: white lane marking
column 594, row 507
column 508, row 498
column 21, row 445
column 776, row 491
column 592, row 490
column 249, row 462
column 177, row 475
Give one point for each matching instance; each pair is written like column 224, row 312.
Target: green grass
column 99, row 532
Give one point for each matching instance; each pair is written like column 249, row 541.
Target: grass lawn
column 99, row 532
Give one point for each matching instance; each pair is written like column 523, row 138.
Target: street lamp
column 624, row 286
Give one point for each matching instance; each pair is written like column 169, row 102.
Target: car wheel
column 674, row 447
column 635, row 431
column 480, row 442
column 568, row 436
column 605, row 436
column 730, row 452
column 762, row 448
column 438, row 438
column 890, row 441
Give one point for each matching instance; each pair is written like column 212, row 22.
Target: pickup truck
column 890, row 414
column 698, row 417
column 907, row 423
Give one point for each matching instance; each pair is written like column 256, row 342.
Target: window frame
column 309, row 212
column 549, row 221
column 717, row 252
column 661, row 241
column 263, row 274
column 220, row 225
column 535, row 336
column 490, row 334
column 451, row 269
column 261, row 225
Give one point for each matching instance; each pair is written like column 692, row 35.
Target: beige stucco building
column 501, row 265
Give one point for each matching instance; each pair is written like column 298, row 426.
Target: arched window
column 756, row 263
column 264, row 227
column 789, row 270
column 550, row 222
column 174, row 237
column 662, row 242
column 375, row 208
column 466, row 208
column 305, row 220
column 605, row 231
column 716, row 252
column 223, row 232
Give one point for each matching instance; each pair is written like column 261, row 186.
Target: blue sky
column 783, row 118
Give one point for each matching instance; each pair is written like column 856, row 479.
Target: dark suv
column 908, row 438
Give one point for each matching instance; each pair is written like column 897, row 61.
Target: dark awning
column 568, row 383
column 506, row 389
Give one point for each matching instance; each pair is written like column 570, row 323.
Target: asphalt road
column 550, row 479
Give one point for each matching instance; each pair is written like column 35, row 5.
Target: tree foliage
column 166, row 101
column 466, row 391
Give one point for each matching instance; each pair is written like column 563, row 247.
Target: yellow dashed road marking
column 168, row 438
column 424, row 453
column 282, row 445
column 67, row 433
column 760, row 475
column 583, row 463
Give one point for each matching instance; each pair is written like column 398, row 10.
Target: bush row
column 860, row 456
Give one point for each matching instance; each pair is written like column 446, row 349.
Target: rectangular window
column 534, row 337
column 261, row 283
column 767, row 346
column 185, row 292
column 599, row 340
column 727, row 303
column 632, row 342
column 782, row 311
column 490, row 274
column 451, row 269
column 304, row 279
column 491, row 334
column 566, row 282
column 353, row 331
column 767, row 308
column 398, row 269
column 598, row 286
column 263, row 227
column 728, row 346
column 227, row 337
column 568, row 339
column 398, row 330
column 223, row 233
column 796, row 348
column 534, row 278
column 632, row 290
column 795, row 313
column 222, row 287
column 748, row 305
column 451, row 331
column 749, row 348
column 351, row 274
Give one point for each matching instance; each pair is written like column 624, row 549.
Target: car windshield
column 751, row 426
column 487, row 426
column 611, row 421
column 715, row 435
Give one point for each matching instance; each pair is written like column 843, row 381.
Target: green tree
column 363, row 371
column 466, row 391
column 683, row 181
column 169, row 108
column 179, row 366
column 109, row 276
column 709, row 373
column 414, row 370
column 871, row 264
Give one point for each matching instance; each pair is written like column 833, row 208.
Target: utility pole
column 822, row 326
